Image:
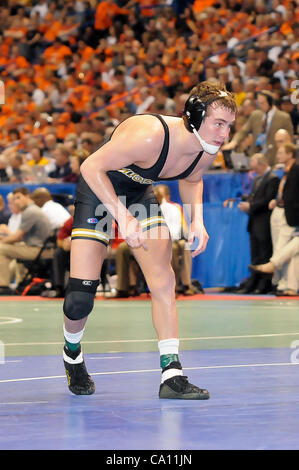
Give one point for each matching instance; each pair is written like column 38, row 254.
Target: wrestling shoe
column 79, row 381
column 180, row 388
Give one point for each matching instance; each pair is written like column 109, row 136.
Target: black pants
column 61, row 264
column 260, row 247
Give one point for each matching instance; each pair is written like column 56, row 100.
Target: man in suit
column 284, row 223
column 264, row 188
column 290, row 190
column 282, row 137
column 262, row 124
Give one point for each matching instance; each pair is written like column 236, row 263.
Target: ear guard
column 195, row 111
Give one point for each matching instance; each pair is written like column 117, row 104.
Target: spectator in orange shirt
column 119, row 99
column 158, row 73
column 50, row 28
column 41, row 125
column 69, row 30
column 65, row 126
column 147, row 12
column 86, row 52
column 17, row 30
column 79, row 97
column 17, row 64
column 200, row 5
column 104, row 15
column 45, row 80
column 56, row 53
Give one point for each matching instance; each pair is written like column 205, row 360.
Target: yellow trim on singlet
column 135, row 177
column 152, row 220
column 83, row 232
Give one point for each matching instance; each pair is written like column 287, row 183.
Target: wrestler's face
column 216, row 127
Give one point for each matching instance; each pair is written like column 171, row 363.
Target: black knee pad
column 79, row 298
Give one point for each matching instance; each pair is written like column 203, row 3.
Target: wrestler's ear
column 195, row 111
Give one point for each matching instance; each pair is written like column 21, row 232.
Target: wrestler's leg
column 87, row 257
column 155, row 263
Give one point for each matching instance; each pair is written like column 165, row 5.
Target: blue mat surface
column 254, row 403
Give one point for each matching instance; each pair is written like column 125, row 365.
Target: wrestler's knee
column 79, row 298
column 162, row 282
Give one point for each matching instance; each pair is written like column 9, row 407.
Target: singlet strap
column 159, row 164
column 185, row 173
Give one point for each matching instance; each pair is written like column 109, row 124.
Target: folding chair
column 39, row 268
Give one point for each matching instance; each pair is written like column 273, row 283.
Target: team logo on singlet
column 135, row 177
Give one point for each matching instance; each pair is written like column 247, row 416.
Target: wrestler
column 116, row 183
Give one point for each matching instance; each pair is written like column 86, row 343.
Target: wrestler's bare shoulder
column 142, row 135
column 141, row 126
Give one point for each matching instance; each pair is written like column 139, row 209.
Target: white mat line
column 7, row 320
column 24, row 403
column 119, row 372
column 105, row 357
column 199, row 338
column 12, row 360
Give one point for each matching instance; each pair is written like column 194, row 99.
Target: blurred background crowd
column 72, row 70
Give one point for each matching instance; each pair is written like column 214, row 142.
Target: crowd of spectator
column 72, row 70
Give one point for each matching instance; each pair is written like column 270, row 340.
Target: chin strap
column 209, row 148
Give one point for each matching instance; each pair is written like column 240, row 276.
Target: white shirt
column 143, row 107
column 38, row 96
column 14, row 222
column 41, row 9
column 56, row 214
column 270, row 115
column 173, row 217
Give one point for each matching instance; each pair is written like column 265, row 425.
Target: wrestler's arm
column 136, row 141
column 191, row 192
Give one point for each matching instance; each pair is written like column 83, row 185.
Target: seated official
column 56, row 213
column 61, row 261
column 26, row 242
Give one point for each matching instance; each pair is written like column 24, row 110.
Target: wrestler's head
column 209, row 113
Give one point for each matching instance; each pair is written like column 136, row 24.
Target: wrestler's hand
column 197, row 239
column 132, row 233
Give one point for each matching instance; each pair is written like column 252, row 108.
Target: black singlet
column 150, row 175
column 133, row 185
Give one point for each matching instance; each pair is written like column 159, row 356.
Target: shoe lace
column 184, row 379
column 178, row 383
